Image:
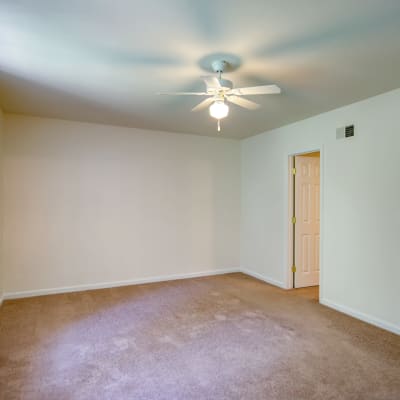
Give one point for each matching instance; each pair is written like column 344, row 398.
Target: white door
column 307, row 220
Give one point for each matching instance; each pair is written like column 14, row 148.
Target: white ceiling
column 103, row 61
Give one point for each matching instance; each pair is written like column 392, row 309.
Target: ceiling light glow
column 219, row 110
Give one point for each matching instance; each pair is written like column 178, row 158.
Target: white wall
column 87, row 204
column 1, row 204
column 360, row 216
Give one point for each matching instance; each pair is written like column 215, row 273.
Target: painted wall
column 1, row 204
column 360, row 214
column 87, row 204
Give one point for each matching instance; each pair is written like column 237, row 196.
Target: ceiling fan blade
column 255, row 90
column 182, row 93
column 204, row 104
column 242, row 102
column 211, row 81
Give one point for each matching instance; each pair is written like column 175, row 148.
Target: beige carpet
column 224, row 337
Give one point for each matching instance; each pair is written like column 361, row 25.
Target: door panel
column 307, row 211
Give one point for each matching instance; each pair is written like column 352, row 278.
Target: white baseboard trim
column 105, row 285
column 361, row 316
column 263, row 278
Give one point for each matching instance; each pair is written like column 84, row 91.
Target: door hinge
column 294, row 171
column 294, row 268
column 293, row 220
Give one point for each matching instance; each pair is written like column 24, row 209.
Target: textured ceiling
column 103, row 61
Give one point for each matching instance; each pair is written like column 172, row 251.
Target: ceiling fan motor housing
column 226, row 84
column 219, row 66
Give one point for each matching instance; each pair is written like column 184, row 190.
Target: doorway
column 304, row 208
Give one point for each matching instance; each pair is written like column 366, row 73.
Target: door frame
column 288, row 209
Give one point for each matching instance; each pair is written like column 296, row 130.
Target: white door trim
column 287, row 239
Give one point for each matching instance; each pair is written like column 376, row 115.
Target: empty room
column 199, row 200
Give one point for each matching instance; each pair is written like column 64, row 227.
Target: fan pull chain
column 219, row 126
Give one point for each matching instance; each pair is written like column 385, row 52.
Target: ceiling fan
column 221, row 91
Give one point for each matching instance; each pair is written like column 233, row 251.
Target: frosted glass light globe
column 219, row 110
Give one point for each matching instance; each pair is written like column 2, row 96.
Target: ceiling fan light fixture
column 219, row 91
column 219, row 109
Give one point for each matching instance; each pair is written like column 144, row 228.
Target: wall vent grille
column 345, row 132
column 349, row 131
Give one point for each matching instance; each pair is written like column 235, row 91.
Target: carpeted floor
column 223, row 337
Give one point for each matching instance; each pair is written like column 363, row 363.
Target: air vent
column 345, row 132
column 349, row 131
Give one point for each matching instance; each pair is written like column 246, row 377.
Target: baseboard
column 263, row 278
column 361, row 316
column 105, row 285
